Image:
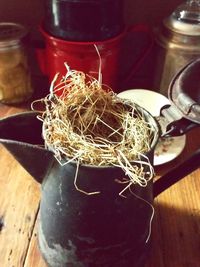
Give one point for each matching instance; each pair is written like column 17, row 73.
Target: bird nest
column 88, row 123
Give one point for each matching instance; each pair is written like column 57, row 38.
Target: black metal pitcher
column 93, row 230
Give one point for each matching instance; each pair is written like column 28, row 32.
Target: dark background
column 151, row 13
column 31, row 12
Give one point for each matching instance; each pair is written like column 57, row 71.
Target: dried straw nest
column 85, row 123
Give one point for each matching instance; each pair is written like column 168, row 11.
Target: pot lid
column 184, row 91
column 185, row 19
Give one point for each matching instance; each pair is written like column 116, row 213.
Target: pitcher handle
column 176, row 123
column 176, row 174
column 144, row 53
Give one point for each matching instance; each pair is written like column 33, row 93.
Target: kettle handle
column 176, row 174
column 179, row 127
column 177, row 124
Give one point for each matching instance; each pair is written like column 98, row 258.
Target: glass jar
column 177, row 41
column 15, row 79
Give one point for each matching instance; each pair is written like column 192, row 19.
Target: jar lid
column 184, row 94
column 184, row 91
column 185, row 19
column 11, row 33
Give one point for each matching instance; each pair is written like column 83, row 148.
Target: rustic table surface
column 176, row 226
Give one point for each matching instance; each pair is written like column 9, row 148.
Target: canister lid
column 11, row 33
column 185, row 19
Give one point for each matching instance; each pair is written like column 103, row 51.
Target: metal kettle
column 80, row 230
column 177, row 43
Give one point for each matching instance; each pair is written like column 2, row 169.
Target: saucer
column 168, row 148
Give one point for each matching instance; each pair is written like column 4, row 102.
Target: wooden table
column 176, row 228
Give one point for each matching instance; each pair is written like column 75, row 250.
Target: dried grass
column 88, row 123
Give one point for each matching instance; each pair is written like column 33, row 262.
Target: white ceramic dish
column 167, row 148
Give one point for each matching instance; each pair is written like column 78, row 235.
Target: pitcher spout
column 21, row 134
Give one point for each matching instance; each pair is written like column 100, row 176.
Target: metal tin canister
column 84, row 20
column 177, row 43
column 15, row 79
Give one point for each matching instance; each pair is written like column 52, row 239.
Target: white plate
column 167, row 148
column 150, row 100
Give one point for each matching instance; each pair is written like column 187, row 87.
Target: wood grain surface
column 176, row 225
